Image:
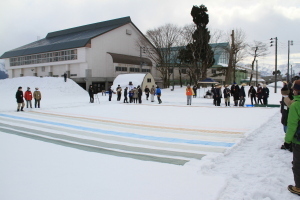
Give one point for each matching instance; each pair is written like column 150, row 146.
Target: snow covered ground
column 72, row 149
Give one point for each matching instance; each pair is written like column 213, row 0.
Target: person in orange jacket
column 28, row 97
column 189, row 93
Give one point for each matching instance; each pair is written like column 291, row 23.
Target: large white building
column 90, row 54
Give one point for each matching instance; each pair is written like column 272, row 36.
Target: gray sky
column 23, row 21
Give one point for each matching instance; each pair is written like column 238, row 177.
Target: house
column 90, row 54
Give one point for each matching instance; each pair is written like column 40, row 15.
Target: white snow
column 254, row 168
column 124, row 79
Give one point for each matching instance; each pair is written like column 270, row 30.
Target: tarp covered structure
column 208, row 81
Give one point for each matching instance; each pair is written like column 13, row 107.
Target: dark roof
column 68, row 38
column 126, row 59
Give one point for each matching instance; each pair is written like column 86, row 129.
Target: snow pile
column 279, row 84
column 124, row 79
column 55, row 92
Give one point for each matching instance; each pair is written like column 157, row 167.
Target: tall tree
column 198, row 54
column 237, row 52
column 163, row 39
column 256, row 49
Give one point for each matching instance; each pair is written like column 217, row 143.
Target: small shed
column 133, row 80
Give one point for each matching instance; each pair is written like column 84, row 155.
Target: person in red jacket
column 28, row 97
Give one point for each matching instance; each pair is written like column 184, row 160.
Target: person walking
column 125, row 95
column 158, row 94
column 242, row 95
column 91, row 93
column 265, row 94
column 259, row 94
column 28, row 97
column 147, row 92
column 292, row 137
column 252, row 94
column 110, row 93
column 65, row 76
column 189, row 93
column 37, row 97
column 218, row 95
column 226, row 93
column 119, row 93
column 213, row 92
column 135, row 95
column 140, row 93
column 152, row 92
column 20, row 99
column 195, row 91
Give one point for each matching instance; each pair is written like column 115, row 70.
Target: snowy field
column 70, row 149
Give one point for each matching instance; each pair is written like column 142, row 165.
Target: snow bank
column 55, row 92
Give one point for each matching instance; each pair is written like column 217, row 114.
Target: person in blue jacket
column 158, row 94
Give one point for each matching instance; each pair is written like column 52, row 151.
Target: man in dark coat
column 218, row 94
column 65, row 76
column 236, row 93
column 242, row 95
column 265, row 94
column 147, row 92
column 252, row 94
column 125, row 95
column 20, row 99
column 119, row 93
column 140, row 93
column 226, row 93
column 91, row 93
column 259, row 94
column 195, row 91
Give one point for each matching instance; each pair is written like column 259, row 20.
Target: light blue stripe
column 124, row 134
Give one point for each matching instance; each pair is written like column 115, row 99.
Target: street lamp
column 287, row 76
column 275, row 89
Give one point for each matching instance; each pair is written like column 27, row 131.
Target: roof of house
column 127, row 59
column 67, row 39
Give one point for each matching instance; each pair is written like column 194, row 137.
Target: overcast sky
column 23, row 21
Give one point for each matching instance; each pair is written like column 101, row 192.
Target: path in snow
column 266, row 166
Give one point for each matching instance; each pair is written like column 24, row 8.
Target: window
column 44, row 57
column 148, row 80
column 170, row 71
column 134, row 69
column 146, row 70
column 43, row 68
column 213, row 71
column 121, row 69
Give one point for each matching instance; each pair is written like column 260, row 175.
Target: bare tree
column 256, row 49
column 237, row 52
column 163, row 39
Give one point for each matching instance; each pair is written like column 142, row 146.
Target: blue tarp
column 208, row 80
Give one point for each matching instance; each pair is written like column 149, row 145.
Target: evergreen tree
column 199, row 53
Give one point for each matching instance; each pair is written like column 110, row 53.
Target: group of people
column 37, row 96
column 133, row 93
column 238, row 94
column 290, row 119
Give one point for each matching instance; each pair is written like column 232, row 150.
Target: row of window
column 44, row 57
column 131, row 69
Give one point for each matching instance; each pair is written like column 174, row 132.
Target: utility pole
column 256, row 72
column 233, row 54
column 275, row 89
column 287, row 76
column 291, row 72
